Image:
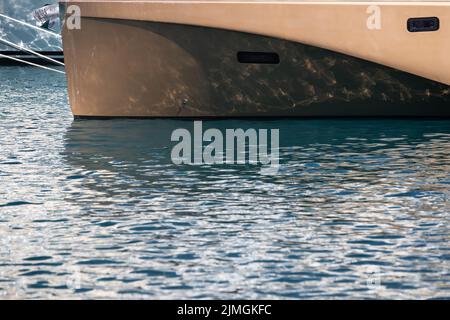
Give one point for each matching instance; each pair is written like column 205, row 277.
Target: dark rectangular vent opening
column 423, row 24
column 258, row 57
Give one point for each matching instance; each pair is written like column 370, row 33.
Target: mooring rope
column 31, row 26
column 30, row 63
column 21, row 48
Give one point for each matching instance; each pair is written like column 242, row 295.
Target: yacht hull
column 127, row 62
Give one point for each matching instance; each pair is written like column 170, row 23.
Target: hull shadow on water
column 358, row 208
column 316, row 154
column 95, row 144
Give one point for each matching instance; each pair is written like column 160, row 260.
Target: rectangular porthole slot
column 423, row 24
column 258, row 57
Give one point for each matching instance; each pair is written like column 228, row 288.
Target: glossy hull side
column 129, row 68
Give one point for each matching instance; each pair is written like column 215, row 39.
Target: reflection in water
column 96, row 209
column 358, row 209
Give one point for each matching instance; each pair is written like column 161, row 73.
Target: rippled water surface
column 96, row 209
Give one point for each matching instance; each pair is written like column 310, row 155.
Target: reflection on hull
column 125, row 68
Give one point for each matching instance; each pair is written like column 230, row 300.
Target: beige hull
column 178, row 59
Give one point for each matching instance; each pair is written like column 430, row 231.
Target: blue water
column 96, row 209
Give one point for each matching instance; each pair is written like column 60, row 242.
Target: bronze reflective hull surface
column 137, row 68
